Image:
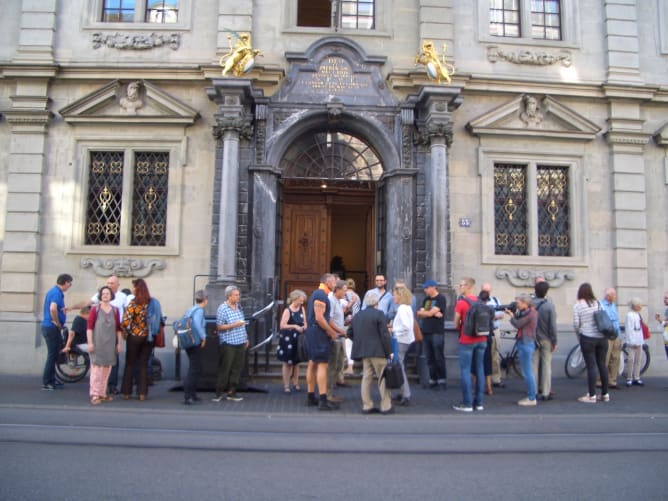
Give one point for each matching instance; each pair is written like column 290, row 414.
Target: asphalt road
column 56, row 446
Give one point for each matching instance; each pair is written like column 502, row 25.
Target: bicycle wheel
column 644, row 359
column 575, row 364
column 72, row 367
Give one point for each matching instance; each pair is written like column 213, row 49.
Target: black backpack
column 479, row 319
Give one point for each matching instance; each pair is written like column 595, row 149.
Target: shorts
column 318, row 344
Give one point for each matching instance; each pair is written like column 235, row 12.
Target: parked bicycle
column 575, row 364
column 510, row 360
column 72, row 366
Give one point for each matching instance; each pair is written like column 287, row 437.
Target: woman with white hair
column 634, row 341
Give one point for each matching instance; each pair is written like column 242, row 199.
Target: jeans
column 467, row 352
column 433, row 346
column 113, row 375
column 194, row 370
column 525, row 352
column 542, row 366
column 53, row 341
column 594, row 351
column 405, row 388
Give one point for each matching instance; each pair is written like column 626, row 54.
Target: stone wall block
column 631, row 258
column 621, row 28
column 24, row 183
column 630, row 201
column 19, row 282
column 21, row 242
column 20, row 261
column 623, row 59
column 26, row 163
column 631, row 220
column 17, row 303
column 27, row 143
column 22, row 221
column 39, row 5
column 629, row 182
column 621, row 12
column 631, row 239
column 23, row 202
column 35, row 20
column 632, row 277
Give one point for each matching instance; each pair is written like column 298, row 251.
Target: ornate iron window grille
column 149, row 199
column 104, row 198
column 510, row 210
column 553, row 211
column 331, row 156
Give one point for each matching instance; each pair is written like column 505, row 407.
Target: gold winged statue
column 437, row 68
column 241, row 57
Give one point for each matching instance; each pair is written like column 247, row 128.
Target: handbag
column 160, row 337
column 645, row 330
column 604, row 324
column 302, row 348
column 393, row 375
column 417, row 332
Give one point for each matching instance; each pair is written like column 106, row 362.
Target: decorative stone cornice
column 27, row 117
column 627, row 137
column 123, row 266
column 527, row 278
column 528, row 57
column 136, row 41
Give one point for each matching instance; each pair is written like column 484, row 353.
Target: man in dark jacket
column 372, row 344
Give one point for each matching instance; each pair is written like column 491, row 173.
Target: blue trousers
column 467, row 353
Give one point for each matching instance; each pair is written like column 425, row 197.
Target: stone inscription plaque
column 335, row 76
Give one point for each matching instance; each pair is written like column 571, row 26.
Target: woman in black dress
column 293, row 324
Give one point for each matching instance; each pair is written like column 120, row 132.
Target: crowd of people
column 334, row 328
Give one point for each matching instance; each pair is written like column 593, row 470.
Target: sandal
column 296, row 387
column 106, row 398
column 95, row 401
column 286, row 390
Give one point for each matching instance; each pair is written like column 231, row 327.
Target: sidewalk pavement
column 165, row 395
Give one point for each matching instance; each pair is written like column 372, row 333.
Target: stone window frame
column 382, row 15
column 569, row 26
column 578, row 237
column 93, row 18
column 175, row 180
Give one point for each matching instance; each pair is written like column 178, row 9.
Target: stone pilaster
column 436, row 22
column 233, row 122
column 37, row 32
column 434, row 124
column 621, row 28
column 400, row 223
column 629, row 197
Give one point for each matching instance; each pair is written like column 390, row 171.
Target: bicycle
column 73, row 366
column 575, row 364
column 511, row 359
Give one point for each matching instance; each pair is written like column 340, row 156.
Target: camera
column 510, row 306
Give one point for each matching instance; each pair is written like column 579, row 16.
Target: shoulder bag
column 604, row 324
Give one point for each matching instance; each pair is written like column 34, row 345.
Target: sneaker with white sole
column 233, row 397
column 478, row 407
column 604, row 398
column 588, row 399
column 462, row 408
column 218, row 398
column 525, row 402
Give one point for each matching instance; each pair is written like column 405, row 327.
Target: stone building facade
column 124, row 150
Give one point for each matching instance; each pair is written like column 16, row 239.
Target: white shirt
column 633, row 332
column 402, row 325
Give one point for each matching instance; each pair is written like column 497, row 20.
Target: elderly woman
column 233, row 341
column 402, row 331
column 634, row 340
column 104, row 329
column 593, row 344
column 526, row 321
column 292, row 325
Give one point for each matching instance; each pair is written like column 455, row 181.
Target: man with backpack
column 474, row 319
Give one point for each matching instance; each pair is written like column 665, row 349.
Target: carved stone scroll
column 123, row 266
column 527, row 278
column 136, row 41
column 530, row 57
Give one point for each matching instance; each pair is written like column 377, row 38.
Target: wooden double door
column 320, row 224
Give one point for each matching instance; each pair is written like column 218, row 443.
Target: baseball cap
column 429, row 283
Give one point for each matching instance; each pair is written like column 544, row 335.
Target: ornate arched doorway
column 330, row 194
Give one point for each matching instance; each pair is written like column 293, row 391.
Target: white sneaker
column 218, row 398
column 525, row 402
column 479, row 407
column 604, row 398
column 462, row 408
column 587, row 399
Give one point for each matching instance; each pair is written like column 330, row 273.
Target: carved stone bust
column 131, row 102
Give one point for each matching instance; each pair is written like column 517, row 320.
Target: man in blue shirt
column 612, row 359
column 384, row 296
column 54, row 316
